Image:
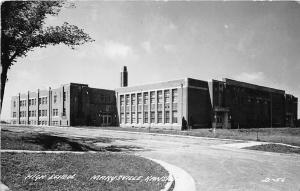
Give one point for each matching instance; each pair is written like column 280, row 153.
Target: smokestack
column 124, row 77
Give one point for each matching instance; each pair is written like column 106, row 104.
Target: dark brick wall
column 199, row 106
column 89, row 105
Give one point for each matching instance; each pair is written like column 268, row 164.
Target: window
column 139, row 117
column 122, row 100
column 145, row 117
column 55, row 99
column 167, row 116
column 32, row 101
column 174, row 117
column 55, row 112
column 127, row 104
column 152, row 101
column 139, row 98
column 152, row 97
column 174, row 95
column 133, row 102
column 152, row 117
column 159, row 117
column 133, row 117
column 122, row 118
column 139, row 102
column 159, row 97
column 133, row 99
column 14, row 114
column 64, row 96
column 146, row 98
column 14, row 103
column 174, row 106
column 167, row 96
column 23, row 103
column 127, row 118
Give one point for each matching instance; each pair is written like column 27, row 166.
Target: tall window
column 159, row 117
column 14, row 103
column 54, row 98
column 174, row 99
column 145, row 117
column 152, row 117
column 152, row 101
column 122, row 100
column 122, row 118
column 174, row 95
column 167, row 116
column 139, row 117
column 174, row 117
column 159, row 97
column 139, row 98
column 133, row 104
column 146, row 98
column 127, row 117
column 127, row 104
column 133, row 117
column 64, row 112
column 167, row 96
column 152, row 97
column 122, row 103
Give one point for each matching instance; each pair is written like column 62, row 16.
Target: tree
column 22, row 30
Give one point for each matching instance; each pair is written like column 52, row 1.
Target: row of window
column 126, row 100
column 160, row 107
column 125, row 118
column 32, row 122
column 32, row 101
column 42, row 113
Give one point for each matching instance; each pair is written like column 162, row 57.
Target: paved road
column 212, row 164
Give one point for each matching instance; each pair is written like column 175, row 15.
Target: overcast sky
column 255, row 42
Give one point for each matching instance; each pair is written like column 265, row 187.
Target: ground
column 63, row 169
column 212, row 164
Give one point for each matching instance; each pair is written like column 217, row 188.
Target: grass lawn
column 68, row 171
column 24, row 171
column 46, row 142
column 275, row 148
column 280, row 135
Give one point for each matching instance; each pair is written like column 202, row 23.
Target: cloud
column 172, row 26
column 109, row 49
column 147, row 46
column 117, row 50
column 169, row 47
column 251, row 77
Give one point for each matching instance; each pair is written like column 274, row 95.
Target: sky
column 255, row 42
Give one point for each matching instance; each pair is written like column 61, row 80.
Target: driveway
column 212, row 164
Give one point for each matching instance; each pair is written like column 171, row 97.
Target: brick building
column 242, row 105
column 163, row 105
column 202, row 104
column 70, row 105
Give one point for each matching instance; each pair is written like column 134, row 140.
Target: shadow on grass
column 46, row 142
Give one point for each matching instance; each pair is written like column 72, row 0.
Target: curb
column 182, row 180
